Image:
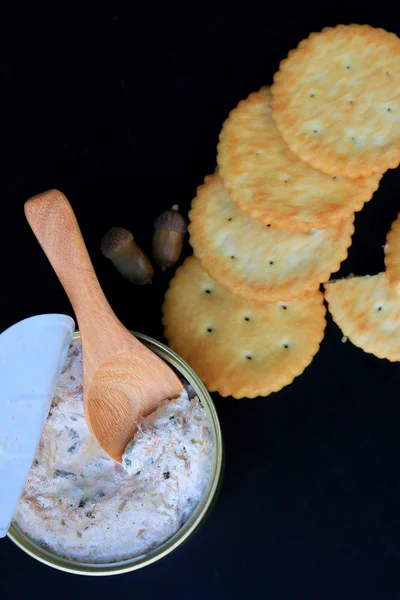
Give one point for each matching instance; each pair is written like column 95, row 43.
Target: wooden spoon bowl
column 123, row 380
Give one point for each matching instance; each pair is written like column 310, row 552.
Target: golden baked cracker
column 368, row 312
column 272, row 184
column 259, row 263
column 336, row 100
column 392, row 256
column 240, row 348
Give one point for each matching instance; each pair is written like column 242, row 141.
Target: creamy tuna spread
column 80, row 504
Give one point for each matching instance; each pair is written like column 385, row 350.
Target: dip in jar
column 81, row 505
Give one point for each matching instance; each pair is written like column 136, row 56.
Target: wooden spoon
column 122, row 380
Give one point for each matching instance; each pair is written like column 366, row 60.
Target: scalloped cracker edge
column 239, row 348
column 336, row 100
column 368, row 312
column 392, row 256
column 272, row 184
column 258, row 263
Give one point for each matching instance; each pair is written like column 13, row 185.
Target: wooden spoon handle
column 53, row 221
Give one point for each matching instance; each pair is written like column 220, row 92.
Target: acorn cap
column 171, row 220
column 114, row 240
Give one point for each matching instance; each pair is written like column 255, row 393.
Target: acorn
column 170, row 228
column 127, row 257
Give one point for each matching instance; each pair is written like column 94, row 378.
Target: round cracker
column 336, row 100
column 239, row 348
column 272, row 184
column 392, row 256
column 368, row 312
column 256, row 262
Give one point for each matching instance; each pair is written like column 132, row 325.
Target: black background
column 122, row 113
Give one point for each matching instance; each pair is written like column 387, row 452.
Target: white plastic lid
column 32, row 355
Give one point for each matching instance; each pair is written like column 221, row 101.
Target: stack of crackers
column 275, row 220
